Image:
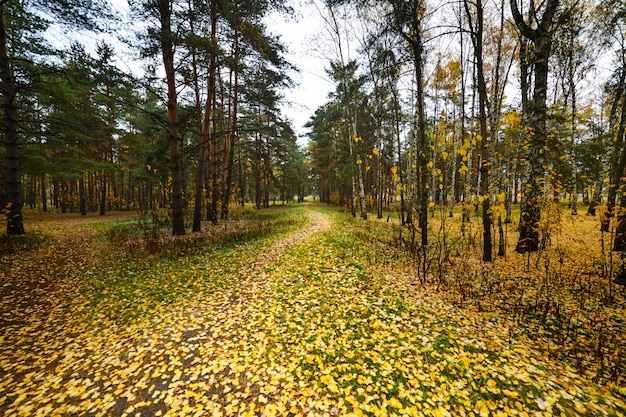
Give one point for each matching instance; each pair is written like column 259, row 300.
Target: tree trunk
column 200, row 172
column 618, row 157
column 82, row 196
column 572, row 86
column 175, row 144
column 44, row 198
column 103, row 191
column 530, row 213
column 232, row 137
column 422, row 158
column 13, row 186
column 483, row 144
column 400, row 168
column 257, row 172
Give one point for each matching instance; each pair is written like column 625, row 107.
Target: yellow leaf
column 395, row 403
column 509, row 393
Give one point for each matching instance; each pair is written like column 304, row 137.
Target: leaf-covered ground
column 313, row 321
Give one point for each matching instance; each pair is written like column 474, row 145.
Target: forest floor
column 304, row 312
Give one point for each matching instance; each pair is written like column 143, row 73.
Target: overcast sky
column 301, row 33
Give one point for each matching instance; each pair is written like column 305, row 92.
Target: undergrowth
column 150, row 235
column 560, row 300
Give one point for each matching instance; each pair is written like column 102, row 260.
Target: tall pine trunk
column 13, row 186
column 175, row 144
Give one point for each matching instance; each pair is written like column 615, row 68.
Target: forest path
column 35, row 282
column 316, row 222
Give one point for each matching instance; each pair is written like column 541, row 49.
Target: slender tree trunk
column 400, row 168
column 44, row 198
column 211, row 124
column 484, row 142
column 175, row 145
column 82, row 196
column 379, row 214
column 13, row 186
column 352, row 177
column 257, row 172
column 103, row 192
column 618, row 156
column 200, row 172
column 423, row 146
column 232, row 135
column 572, row 86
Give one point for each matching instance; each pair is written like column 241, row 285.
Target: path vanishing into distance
column 312, row 321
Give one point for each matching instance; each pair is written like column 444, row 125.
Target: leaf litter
column 314, row 322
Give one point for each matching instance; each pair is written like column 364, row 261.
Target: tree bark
column 200, row 172
column 618, row 157
column 13, row 186
column 477, row 40
column 232, row 136
column 175, row 144
column 530, row 213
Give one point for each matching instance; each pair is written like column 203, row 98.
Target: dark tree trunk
column 175, row 144
column 620, row 230
column 44, row 197
column 530, row 213
column 199, row 186
column 618, row 157
column 477, row 40
column 231, row 140
column 103, row 191
column 596, row 198
column 257, row 172
column 82, row 196
column 13, row 186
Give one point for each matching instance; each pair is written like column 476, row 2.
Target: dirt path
column 317, row 222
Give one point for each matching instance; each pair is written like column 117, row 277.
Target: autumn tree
column 407, row 22
column 538, row 28
column 612, row 24
column 476, row 30
column 384, row 104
